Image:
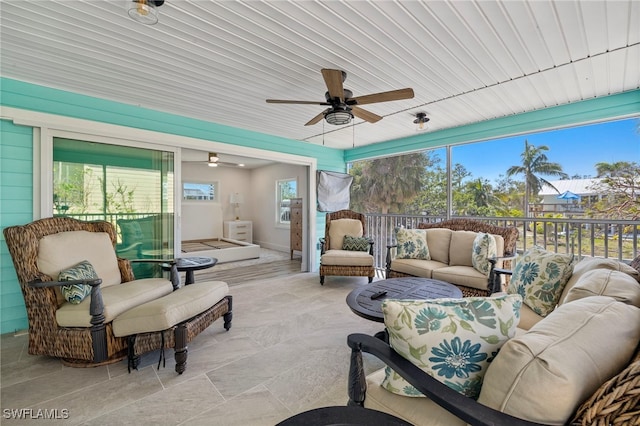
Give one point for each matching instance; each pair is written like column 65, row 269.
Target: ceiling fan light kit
column 342, row 105
column 213, row 160
column 144, row 11
column 338, row 116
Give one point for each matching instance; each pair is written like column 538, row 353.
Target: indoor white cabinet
column 241, row 230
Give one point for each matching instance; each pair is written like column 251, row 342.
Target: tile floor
column 285, row 353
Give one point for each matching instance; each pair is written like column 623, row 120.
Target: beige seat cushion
column 606, row 282
column 417, row 411
column 416, row 267
column 346, row 258
column 528, row 318
column 467, row 276
column 438, row 241
column 117, row 299
column 63, row 250
column 587, row 264
column 462, row 246
column 544, row 374
column 339, row 228
column 165, row 312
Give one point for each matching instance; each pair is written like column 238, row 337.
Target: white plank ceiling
column 467, row 61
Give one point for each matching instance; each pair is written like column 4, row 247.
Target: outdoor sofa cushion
column 341, row 227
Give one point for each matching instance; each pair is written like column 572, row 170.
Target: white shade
column 236, row 198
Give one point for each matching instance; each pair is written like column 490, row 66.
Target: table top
column 361, row 303
column 192, row 263
column 344, row 416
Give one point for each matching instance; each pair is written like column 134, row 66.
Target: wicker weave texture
column 45, row 337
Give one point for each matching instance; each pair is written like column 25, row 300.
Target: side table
column 191, row 264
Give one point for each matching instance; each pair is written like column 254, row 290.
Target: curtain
column 333, row 191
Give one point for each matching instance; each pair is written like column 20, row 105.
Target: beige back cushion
column 339, row 228
column 544, row 374
column 65, row 249
column 462, row 246
column 438, row 241
column 605, row 282
column 587, row 264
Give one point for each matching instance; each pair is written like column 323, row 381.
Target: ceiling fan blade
column 316, row 119
column 365, row 115
column 392, row 95
column 285, row 101
column 333, row 79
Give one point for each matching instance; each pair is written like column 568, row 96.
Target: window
column 130, row 187
column 199, row 191
column 286, row 189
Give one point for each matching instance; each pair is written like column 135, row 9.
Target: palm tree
column 386, row 185
column 535, row 163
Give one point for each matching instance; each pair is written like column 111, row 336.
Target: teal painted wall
column 16, row 160
column 16, row 207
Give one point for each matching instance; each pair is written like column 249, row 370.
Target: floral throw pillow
column 412, row 244
column 484, row 248
column 539, row 277
column 452, row 340
column 355, row 243
column 75, row 293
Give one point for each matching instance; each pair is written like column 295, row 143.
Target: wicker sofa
column 450, row 246
column 578, row 365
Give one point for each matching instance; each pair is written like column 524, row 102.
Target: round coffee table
column 345, row 416
column 191, row 264
column 363, row 300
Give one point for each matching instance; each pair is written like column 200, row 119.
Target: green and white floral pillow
column 75, row 293
column 412, row 244
column 484, row 248
column 539, row 277
column 452, row 340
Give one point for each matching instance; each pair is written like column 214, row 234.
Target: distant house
column 586, row 189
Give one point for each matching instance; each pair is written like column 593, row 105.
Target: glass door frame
column 43, row 182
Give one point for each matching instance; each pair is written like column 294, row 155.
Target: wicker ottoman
column 173, row 321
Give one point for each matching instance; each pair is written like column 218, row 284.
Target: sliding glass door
column 130, row 187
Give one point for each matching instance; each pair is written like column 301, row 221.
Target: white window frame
column 280, row 222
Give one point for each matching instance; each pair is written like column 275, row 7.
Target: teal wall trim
column 597, row 109
column 16, row 207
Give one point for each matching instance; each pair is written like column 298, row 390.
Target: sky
column 577, row 149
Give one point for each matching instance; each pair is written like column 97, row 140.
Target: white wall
column 258, row 186
column 202, row 219
column 263, row 204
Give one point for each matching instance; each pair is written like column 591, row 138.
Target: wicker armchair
column 336, row 261
column 93, row 344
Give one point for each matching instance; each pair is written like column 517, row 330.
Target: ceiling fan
column 342, row 105
column 213, row 160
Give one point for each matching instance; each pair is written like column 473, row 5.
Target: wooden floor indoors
column 251, row 272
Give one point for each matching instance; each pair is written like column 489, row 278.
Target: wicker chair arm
column 323, row 244
column 461, row 406
column 174, row 276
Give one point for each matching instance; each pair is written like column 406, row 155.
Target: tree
column 387, row 185
column 621, row 182
column 535, row 163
